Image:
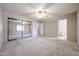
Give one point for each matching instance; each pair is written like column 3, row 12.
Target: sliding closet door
column 14, row 29
column 18, row 29
column 27, row 29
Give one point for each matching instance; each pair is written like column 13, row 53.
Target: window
column 20, row 28
column 62, row 29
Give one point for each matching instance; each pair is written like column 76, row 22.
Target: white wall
column 78, row 26
column 5, row 18
column 34, row 29
column 40, row 28
column 1, row 27
column 51, row 29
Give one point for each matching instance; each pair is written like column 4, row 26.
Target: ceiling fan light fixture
column 41, row 13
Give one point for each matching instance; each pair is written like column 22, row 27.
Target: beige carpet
column 43, row 46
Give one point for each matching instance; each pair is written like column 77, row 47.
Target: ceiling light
column 41, row 13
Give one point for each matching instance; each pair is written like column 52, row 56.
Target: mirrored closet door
column 18, row 29
column 27, row 29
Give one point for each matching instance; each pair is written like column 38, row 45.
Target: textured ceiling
column 53, row 9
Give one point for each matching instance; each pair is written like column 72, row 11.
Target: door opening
column 62, row 29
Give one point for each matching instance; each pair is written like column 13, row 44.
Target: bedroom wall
column 40, row 28
column 5, row 17
column 1, row 27
column 78, row 26
column 35, row 29
column 51, row 28
column 72, row 27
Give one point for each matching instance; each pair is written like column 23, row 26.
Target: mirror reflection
column 19, row 29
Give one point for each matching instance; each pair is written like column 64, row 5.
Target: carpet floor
column 41, row 46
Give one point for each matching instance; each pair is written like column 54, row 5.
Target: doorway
column 62, row 29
